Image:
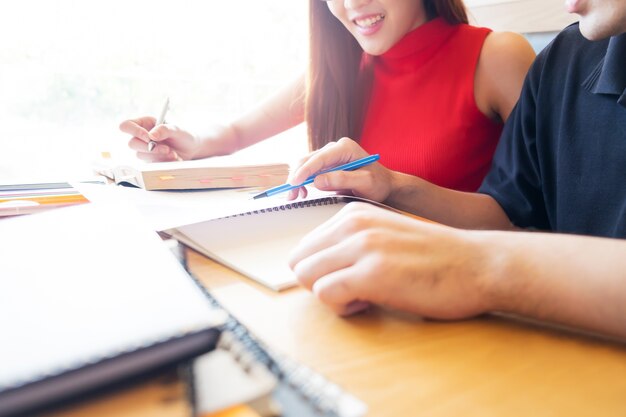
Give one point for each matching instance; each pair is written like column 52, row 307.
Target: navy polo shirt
column 561, row 161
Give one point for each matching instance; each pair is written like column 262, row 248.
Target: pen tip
column 259, row 196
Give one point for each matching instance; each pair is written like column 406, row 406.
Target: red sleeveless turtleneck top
column 421, row 116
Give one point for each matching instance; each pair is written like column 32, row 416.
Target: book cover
column 90, row 296
column 231, row 171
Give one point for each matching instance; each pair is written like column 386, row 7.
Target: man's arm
column 446, row 273
column 572, row 280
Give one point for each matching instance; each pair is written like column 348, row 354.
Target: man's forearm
column 570, row 280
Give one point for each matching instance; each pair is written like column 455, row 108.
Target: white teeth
column 370, row 21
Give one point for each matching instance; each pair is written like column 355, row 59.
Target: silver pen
column 160, row 121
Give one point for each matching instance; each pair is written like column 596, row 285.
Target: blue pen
column 350, row 166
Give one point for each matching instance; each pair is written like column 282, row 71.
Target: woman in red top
column 408, row 79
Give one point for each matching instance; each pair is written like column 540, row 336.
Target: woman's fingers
column 331, row 155
column 139, row 128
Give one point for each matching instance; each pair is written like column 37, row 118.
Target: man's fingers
column 340, row 291
column 323, row 236
column 322, row 262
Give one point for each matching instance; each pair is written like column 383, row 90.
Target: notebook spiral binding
column 326, row 398
column 323, row 201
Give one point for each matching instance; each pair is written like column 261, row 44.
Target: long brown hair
column 338, row 75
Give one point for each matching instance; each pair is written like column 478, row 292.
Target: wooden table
column 401, row 365
column 164, row 395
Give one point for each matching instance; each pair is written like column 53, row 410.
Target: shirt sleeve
column 515, row 177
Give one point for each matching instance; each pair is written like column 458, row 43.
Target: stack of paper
column 26, row 198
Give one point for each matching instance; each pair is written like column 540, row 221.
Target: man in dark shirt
column 560, row 167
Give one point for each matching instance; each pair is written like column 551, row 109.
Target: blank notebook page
column 85, row 283
column 258, row 243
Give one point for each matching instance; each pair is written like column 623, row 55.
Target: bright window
column 73, row 70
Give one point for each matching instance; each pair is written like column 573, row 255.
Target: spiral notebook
column 266, row 381
column 257, row 243
column 90, row 296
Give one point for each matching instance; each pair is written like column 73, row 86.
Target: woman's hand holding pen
column 172, row 142
column 373, row 182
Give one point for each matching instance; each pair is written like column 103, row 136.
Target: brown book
column 230, row 171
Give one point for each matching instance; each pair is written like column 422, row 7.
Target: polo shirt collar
column 609, row 77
